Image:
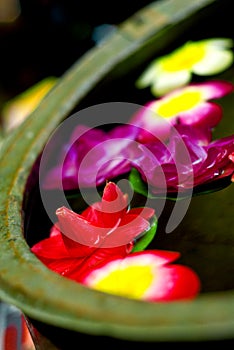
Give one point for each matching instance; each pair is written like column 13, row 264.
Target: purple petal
column 92, row 157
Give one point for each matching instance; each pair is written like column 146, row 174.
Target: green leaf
column 147, row 238
column 138, row 185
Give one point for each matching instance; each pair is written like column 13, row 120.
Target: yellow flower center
column 184, row 58
column 180, row 103
column 130, row 281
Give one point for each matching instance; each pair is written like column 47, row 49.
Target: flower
column 167, row 166
column 17, row 110
column 67, row 257
column 187, row 106
column 74, row 245
column 203, row 58
column 92, row 156
column 147, row 275
column 110, row 264
column 231, row 157
column 108, row 223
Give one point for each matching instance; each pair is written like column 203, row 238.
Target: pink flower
column 148, row 275
column 188, row 105
column 91, row 157
column 187, row 161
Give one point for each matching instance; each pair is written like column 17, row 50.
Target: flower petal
column 213, row 63
column 91, row 157
column 58, row 247
column 145, row 212
column 204, row 57
column 78, row 229
column 147, row 77
column 218, row 43
column 51, row 248
column 99, row 257
column 144, row 275
column 187, row 105
column 214, row 88
column 15, row 111
column 114, row 205
column 206, row 114
column 175, row 282
column 131, row 227
column 65, row 267
column 109, row 211
column 170, row 81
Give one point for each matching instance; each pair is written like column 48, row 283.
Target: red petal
column 51, row 248
column 170, row 282
column 65, row 267
column 114, row 204
column 131, row 226
column 54, row 231
column 59, row 247
column 161, row 257
column 145, row 212
column 112, row 193
column 78, row 229
column 75, row 227
column 100, row 258
column 178, row 283
column 93, row 214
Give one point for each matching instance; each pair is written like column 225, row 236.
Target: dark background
column 48, row 36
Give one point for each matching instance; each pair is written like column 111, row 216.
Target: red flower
column 95, row 248
column 67, row 257
column 104, row 230
column 108, row 223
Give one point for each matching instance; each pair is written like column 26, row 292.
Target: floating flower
column 147, row 275
column 143, row 275
column 203, row 58
column 92, row 156
column 17, row 110
column 188, row 106
column 112, row 265
column 231, row 157
column 74, row 245
column 167, row 166
column 67, row 257
column 108, row 223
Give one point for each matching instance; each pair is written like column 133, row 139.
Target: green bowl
column 61, row 309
